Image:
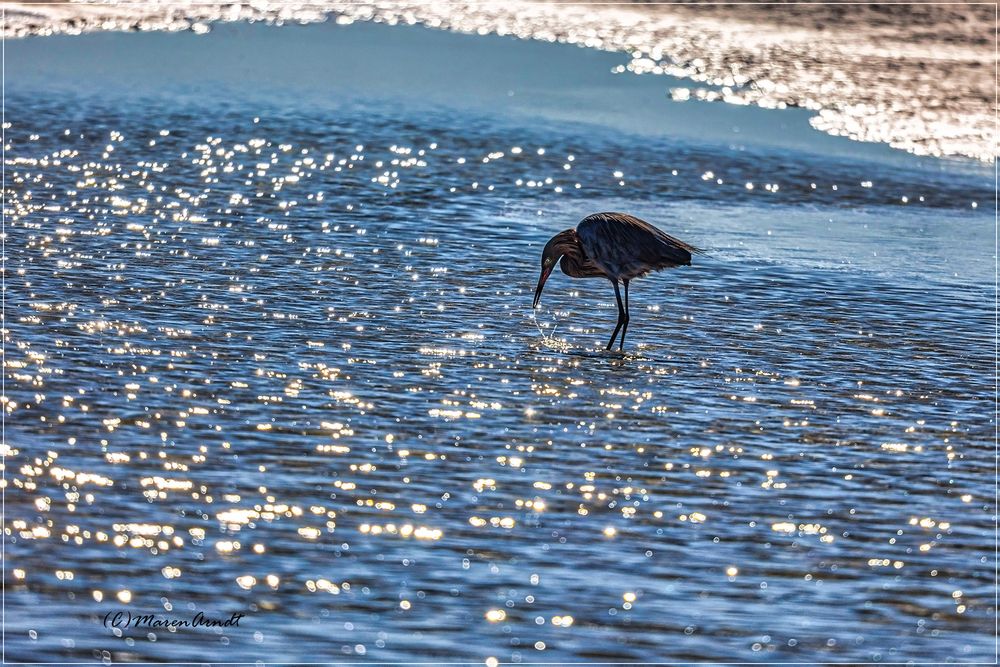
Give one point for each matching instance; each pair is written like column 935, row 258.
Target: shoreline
column 854, row 80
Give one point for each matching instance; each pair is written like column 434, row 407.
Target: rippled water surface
column 279, row 359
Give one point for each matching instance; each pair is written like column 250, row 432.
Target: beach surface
column 270, row 351
column 920, row 76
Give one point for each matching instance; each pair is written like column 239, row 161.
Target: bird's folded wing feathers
column 620, row 238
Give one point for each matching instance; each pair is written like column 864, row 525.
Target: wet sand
column 919, row 77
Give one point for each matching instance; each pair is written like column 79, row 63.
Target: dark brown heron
column 616, row 246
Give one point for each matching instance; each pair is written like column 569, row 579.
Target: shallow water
column 252, row 339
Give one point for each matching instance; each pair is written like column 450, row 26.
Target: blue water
column 327, row 371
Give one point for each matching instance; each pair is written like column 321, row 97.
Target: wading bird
column 616, row 246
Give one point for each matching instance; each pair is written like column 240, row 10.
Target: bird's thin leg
column 621, row 315
column 625, row 321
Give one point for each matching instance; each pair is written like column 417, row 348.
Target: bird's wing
column 628, row 247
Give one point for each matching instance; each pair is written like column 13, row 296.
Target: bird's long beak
column 541, row 283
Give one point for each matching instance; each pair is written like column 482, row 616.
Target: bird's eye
column 548, row 260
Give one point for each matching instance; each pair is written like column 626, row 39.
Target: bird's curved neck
column 574, row 261
column 567, row 244
column 574, row 264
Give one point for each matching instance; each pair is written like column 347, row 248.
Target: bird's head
column 557, row 246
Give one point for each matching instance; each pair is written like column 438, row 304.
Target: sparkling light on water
column 255, row 368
